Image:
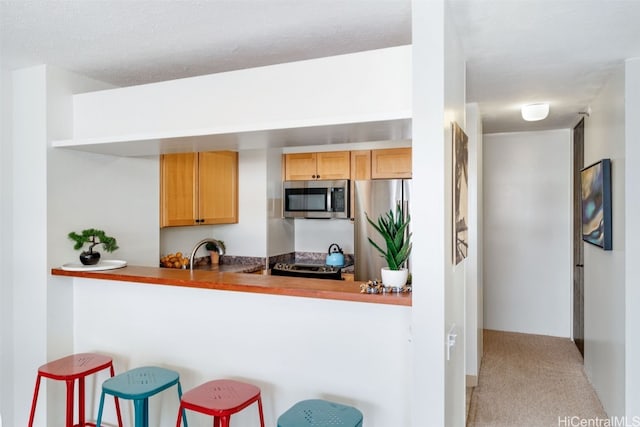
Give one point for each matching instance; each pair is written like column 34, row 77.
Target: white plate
column 107, row 264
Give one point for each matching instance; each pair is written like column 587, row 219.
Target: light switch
column 451, row 340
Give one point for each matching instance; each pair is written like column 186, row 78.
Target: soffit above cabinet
column 359, row 97
column 386, row 130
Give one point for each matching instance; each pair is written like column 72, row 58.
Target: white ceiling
column 518, row 51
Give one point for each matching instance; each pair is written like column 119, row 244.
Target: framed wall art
column 460, row 193
column 596, row 204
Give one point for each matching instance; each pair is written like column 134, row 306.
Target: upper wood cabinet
column 391, row 163
column 218, row 187
column 199, row 188
column 360, row 170
column 360, row 165
column 322, row 165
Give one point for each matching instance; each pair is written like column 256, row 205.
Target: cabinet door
column 360, row 164
column 333, row 165
column 178, row 205
column 391, row 163
column 218, row 187
column 299, row 166
column 360, row 170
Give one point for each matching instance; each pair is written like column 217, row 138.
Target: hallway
column 532, row 381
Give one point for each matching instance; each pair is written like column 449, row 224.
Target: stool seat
column 138, row 385
column 320, row 413
column 75, row 366
column 221, row 399
column 69, row 369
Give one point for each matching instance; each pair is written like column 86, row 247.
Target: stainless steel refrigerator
column 375, row 197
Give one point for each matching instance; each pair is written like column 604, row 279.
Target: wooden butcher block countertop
column 242, row 282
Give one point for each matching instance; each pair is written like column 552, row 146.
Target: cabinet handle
column 313, row 176
column 318, row 176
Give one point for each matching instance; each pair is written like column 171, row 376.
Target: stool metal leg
column 35, row 399
column 113, row 374
column 99, row 420
column 70, row 402
column 141, row 409
column 181, row 414
column 81, row 408
column 260, row 411
column 184, row 413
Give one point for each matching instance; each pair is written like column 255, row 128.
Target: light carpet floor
column 531, row 381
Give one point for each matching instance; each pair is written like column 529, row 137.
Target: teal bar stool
column 320, row 413
column 139, row 385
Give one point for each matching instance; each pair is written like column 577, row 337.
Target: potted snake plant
column 393, row 227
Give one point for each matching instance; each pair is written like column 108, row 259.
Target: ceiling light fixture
column 535, row 112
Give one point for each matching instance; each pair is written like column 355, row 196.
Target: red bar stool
column 221, row 399
column 69, row 369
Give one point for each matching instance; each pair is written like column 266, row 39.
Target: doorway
column 578, row 248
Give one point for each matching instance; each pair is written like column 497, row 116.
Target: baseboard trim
column 472, row 380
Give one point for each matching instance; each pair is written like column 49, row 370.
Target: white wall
column 527, row 232
column 70, row 202
column 455, row 276
column 29, row 226
column 54, row 192
column 364, row 86
column 474, row 316
column 6, row 254
column 315, row 235
column 632, row 231
column 604, row 271
column 292, row 348
column 438, row 291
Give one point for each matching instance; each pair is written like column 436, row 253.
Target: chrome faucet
column 199, row 244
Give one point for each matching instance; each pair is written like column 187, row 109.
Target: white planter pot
column 394, row 278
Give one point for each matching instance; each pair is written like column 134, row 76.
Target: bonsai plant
column 215, row 250
column 392, row 226
column 93, row 237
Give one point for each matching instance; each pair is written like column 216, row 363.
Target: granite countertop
column 230, row 264
column 232, row 268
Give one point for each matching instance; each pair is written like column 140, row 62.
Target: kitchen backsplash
column 230, row 259
column 306, row 258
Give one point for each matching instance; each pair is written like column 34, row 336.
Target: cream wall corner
column 604, row 271
column 438, row 99
column 632, row 249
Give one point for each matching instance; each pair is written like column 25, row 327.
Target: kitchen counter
column 211, row 324
column 230, row 278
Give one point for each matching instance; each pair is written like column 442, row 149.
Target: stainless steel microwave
column 316, row 199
